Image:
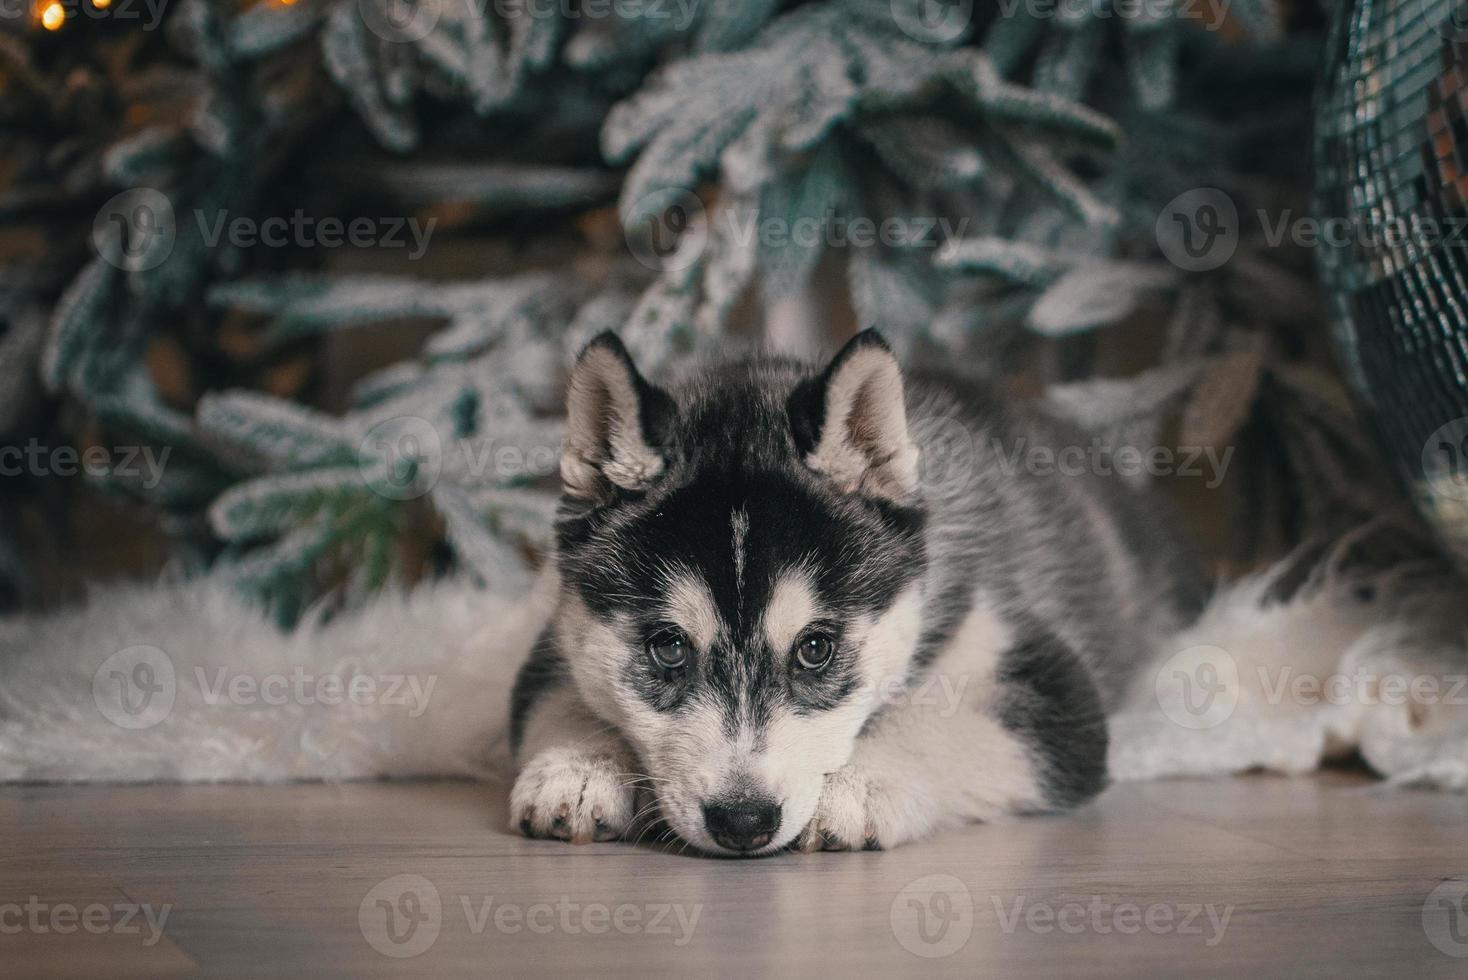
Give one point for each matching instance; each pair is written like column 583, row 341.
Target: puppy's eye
column 814, row 651
column 669, row 649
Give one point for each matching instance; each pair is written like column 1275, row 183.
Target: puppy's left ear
column 850, row 422
column 616, row 424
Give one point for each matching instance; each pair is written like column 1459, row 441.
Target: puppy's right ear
column 616, row 419
column 850, row 422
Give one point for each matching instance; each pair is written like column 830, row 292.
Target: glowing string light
column 53, row 15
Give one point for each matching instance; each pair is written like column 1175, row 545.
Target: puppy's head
column 741, row 562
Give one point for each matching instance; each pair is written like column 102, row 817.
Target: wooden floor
column 1260, row 877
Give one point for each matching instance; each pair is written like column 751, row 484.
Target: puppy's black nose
column 742, row 824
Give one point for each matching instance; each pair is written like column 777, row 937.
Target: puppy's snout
column 742, row 824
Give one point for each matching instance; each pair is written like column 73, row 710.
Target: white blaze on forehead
column 690, row 604
column 791, row 608
column 739, row 522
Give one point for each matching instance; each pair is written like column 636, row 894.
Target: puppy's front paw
column 573, row 796
column 855, row 813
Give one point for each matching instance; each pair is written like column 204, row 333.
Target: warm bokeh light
column 53, row 16
column 101, row 4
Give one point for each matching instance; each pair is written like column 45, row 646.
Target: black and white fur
column 974, row 633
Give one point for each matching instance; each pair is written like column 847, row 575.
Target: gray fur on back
column 1097, row 561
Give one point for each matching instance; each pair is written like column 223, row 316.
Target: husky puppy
column 826, row 608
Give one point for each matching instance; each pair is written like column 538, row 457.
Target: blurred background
column 288, row 288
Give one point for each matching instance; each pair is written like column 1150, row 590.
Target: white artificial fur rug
column 186, row 682
column 183, row 682
column 1368, row 662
